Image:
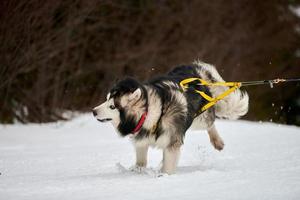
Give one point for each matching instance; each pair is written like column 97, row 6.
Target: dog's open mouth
column 104, row 120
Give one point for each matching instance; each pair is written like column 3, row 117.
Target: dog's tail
column 231, row 107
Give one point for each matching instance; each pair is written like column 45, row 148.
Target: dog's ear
column 108, row 96
column 135, row 95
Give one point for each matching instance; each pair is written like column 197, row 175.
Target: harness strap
column 211, row 100
column 184, row 84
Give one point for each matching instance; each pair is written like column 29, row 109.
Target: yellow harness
column 184, row 84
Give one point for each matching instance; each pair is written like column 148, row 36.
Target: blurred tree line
column 59, row 55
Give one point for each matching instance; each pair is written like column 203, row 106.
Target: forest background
column 63, row 55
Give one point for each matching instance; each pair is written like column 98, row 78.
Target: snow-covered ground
column 78, row 160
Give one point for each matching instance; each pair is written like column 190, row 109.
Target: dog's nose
column 94, row 113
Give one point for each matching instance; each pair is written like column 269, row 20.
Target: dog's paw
column 137, row 169
column 217, row 143
column 161, row 174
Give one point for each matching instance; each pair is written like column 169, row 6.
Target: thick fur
column 232, row 106
column 170, row 111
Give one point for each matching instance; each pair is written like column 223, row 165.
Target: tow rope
column 185, row 84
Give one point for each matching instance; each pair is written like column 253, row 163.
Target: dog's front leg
column 170, row 159
column 141, row 156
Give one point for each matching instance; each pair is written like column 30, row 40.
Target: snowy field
column 79, row 160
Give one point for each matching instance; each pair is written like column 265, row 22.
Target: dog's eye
column 112, row 107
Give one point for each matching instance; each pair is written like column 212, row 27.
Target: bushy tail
column 231, row 107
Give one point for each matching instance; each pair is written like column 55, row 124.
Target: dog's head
column 124, row 104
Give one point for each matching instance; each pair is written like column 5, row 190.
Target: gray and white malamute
column 158, row 112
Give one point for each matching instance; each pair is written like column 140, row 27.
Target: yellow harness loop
column 184, row 84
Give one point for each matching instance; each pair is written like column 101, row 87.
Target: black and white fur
column 171, row 111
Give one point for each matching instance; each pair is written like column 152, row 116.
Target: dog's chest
column 162, row 142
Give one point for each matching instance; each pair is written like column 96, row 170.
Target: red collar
column 140, row 123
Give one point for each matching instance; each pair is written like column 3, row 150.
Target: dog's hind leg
column 170, row 159
column 215, row 139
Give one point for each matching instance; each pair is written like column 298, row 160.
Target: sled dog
column 157, row 113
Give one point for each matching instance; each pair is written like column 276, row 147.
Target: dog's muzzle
column 104, row 120
column 101, row 120
column 94, row 113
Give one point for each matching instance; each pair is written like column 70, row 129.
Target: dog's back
column 231, row 107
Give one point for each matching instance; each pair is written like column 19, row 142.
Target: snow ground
column 77, row 160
